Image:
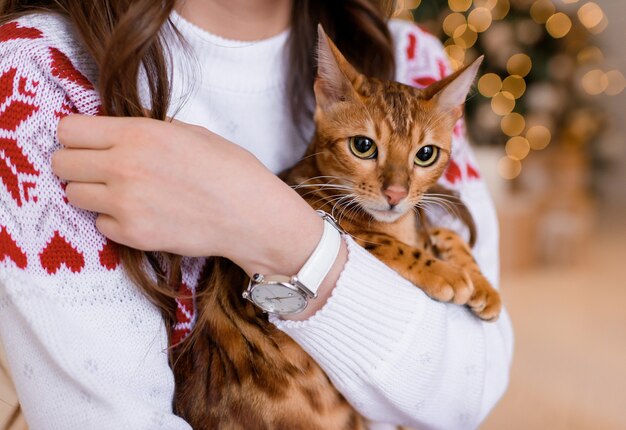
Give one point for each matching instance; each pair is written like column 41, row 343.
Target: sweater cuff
column 371, row 310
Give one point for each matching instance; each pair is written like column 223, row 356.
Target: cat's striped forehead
column 396, row 105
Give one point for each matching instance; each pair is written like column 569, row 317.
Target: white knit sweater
column 87, row 350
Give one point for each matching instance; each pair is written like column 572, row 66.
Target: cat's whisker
column 452, row 205
column 335, row 178
column 443, row 205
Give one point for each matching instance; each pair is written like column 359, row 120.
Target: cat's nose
column 395, row 194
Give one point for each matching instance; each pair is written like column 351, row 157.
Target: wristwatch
column 288, row 295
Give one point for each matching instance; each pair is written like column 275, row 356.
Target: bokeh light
column 501, row 10
column 479, row 19
column 503, row 103
column 517, row 148
column 515, row 85
column 616, row 83
column 452, row 22
column 509, row 168
column 519, row 64
column 513, row 124
column 558, row 25
column 595, row 82
column 464, row 36
column 590, row 15
column 538, row 137
column 541, row 10
column 590, row 54
column 459, row 5
column 489, row 84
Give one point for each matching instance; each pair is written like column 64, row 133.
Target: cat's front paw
column 485, row 301
column 446, row 282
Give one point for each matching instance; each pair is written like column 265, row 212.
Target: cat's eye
column 427, row 155
column 363, row 147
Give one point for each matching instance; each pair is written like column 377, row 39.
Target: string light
column 464, row 25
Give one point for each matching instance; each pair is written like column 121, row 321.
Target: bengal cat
column 378, row 148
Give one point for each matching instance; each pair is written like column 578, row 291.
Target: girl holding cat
column 85, row 347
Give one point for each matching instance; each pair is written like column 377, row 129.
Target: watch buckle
column 295, row 281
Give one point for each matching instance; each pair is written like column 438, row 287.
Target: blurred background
column 549, row 125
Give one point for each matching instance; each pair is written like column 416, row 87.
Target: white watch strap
column 320, row 262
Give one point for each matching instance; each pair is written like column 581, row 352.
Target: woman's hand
column 182, row 189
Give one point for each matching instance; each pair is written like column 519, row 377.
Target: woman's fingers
column 97, row 132
column 108, row 226
column 80, row 165
column 91, row 197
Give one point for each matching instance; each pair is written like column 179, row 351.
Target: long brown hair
column 124, row 36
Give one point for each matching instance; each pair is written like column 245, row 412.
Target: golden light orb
column 517, row 148
column 541, row 10
column 590, row 54
column 558, row 25
column 489, row 84
column 412, row 4
column 489, row 4
column 519, row 64
column 600, row 27
column 459, row 5
column 538, row 137
column 515, row 85
column 617, row 83
column 479, row 19
column 465, row 37
column 452, row 22
column 456, row 53
column 501, row 10
column 595, row 82
column 590, row 14
column 513, row 124
column 503, row 103
column 509, row 168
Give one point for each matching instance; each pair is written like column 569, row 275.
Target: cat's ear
column 450, row 93
column 335, row 76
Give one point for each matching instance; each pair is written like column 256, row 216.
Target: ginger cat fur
column 236, row 371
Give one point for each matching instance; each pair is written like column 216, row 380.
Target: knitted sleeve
column 85, row 348
column 396, row 355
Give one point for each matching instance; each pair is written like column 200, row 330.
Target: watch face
column 277, row 298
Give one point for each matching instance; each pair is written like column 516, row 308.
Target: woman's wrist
column 284, row 237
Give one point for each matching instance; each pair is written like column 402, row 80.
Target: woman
column 86, row 348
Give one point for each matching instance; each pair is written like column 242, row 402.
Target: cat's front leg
column 441, row 280
column 485, row 301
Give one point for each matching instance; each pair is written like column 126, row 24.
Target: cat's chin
column 390, row 215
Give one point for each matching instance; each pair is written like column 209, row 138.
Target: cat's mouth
column 388, row 214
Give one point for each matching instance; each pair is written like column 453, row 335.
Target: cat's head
column 387, row 142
